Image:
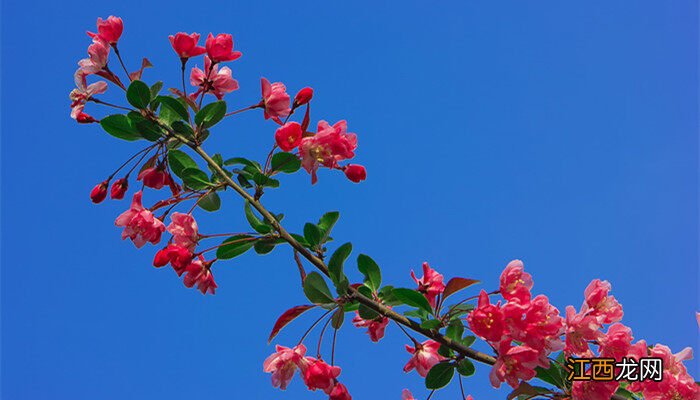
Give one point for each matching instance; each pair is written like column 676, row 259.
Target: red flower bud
column 185, row 45
column 154, row 177
column 119, row 188
column 340, row 392
column 356, row 173
column 220, row 48
column 99, row 192
column 109, row 29
column 304, row 96
column 288, row 136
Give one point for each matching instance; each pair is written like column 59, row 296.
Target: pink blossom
column 283, row 363
column 487, row 320
column 177, row 256
column 593, row 390
column 319, row 375
column 430, row 284
column 99, row 192
column 375, row 328
column 220, row 48
column 536, row 324
column 275, row 99
column 602, row 306
column 407, row 395
column 329, row 145
column 616, row 342
column 515, row 282
column 288, row 136
column 84, row 92
column 339, row 392
column 154, row 177
column 218, row 82
column 80, row 116
column 98, row 53
column 356, row 173
column 580, row 328
column 108, row 30
column 513, row 364
column 139, row 223
column 185, row 45
column 199, row 273
column 425, row 356
column 184, row 230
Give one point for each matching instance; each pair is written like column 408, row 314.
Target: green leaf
column 312, row 234
column 468, row 341
column 179, row 160
column 255, row 222
column 338, row 318
column 371, row 271
column 387, row 295
column 119, row 126
column 455, row 329
column 147, row 129
column 439, row 375
column 413, row 298
column 234, row 246
column 552, row 375
column 335, row 264
column 285, row 162
column 445, row 351
column 210, row 114
column 264, row 246
column 156, row 88
column 195, row 178
column 430, row 324
column 326, row 224
column 138, row 95
column 367, row 313
column 316, row 289
column 211, row 202
column 466, row 367
column 175, row 106
column 626, row 394
column 243, row 161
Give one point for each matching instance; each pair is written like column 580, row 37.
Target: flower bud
column 340, row 392
column 355, row 172
column 304, row 96
column 109, row 30
column 154, row 177
column 185, row 45
column 119, row 188
column 99, row 192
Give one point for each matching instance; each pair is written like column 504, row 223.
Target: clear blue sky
column 562, row 134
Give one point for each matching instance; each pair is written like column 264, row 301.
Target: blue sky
column 562, row 134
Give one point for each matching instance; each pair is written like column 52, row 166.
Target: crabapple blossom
column 218, row 82
column 355, row 172
column 514, row 363
column 220, row 48
column 177, row 256
column 580, row 329
column 329, row 145
column 84, row 92
column 154, row 177
column 599, row 304
column 424, row 356
column 515, row 282
column 430, row 284
column 616, row 342
column 108, row 30
column 199, row 273
column 184, row 230
column 288, row 136
column 407, row 395
column 99, row 192
column 283, row 363
column 375, row 327
column 185, row 45
column 98, row 53
column 319, row 375
column 339, row 392
column 275, row 99
column 303, row 96
column 487, row 320
column 139, row 223
column 593, row 390
column 119, row 188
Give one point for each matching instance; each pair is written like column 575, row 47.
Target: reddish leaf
column 287, row 317
column 457, row 284
column 136, row 75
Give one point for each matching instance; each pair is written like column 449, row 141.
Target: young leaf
column 371, row 271
column 287, row 317
column 338, row 318
column 179, row 160
column 211, row 202
column 138, row 95
column 412, row 298
column 326, row 224
column 234, row 246
column 156, row 88
column 466, row 367
column 175, row 106
column 285, row 162
column 457, row 284
column 119, row 126
column 312, row 234
column 255, row 222
column 439, row 375
column 195, row 178
column 316, row 289
column 210, row 114
column 335, row 264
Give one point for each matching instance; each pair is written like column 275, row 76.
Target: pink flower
column 430, row 284
column 425, row 356
column 329, row 145
column 98, row 53
column 593, row 390
column 220, row 48
column 275, row 99
column 108, row 30
column 407, row 395
column 83, row 92
column 154, row 177
column 514, row 363
column 515, row 282
column 185, row 45
column 580, row 328
column 375, row 328
column 184, row 230
column 119, row 188
column 288, row 136
column 199, row 273
column 99, row 192
column 303, row 96
column 487, row 320
column 536, row 324
column 139, row 223
column 215, row 81
column 355, row 173
column 283, row 363
column 81, row 117
column 319, row 375
column 339, row 392
column 602, row 306
column 177, row 256
column 616, row 343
